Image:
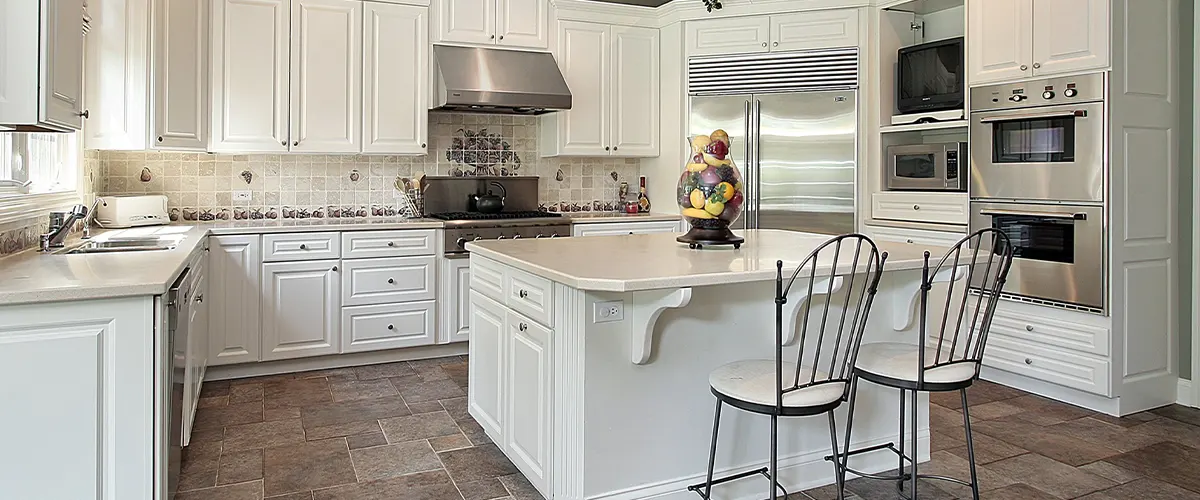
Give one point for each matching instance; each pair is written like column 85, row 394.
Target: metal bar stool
column 814, row 386
column 952, row 363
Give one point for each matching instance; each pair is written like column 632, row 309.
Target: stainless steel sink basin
column 122, row 245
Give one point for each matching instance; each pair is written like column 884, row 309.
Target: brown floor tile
column 1111, row 472
column 387, row 370
column 240, row 466
column 347, row 390
column 456, row 407
column 245, row 393
column 477, row 463
column 395, row 460
column 265, row 379
column 986, row 392
column 425, row 407
column 1017, row 492
column 353, row 411
column 1050, row 476
column 366, row 440
column 242, row 491
column 945, row 419
column 451, row 442
column 197, row 479
column 332, row 374
column 868, row 489
column 1022, row 434
column 214, row 435
column 993, row 410
column 945, row 440
column 1144, row 489
column 214, row 388
column 1172, row 430
column 434, row 485
column 221, row 416
column 949, row 400
column 213, row 402
column 474, row 432
column 422, row 426
column 487, row 489
column 263, row 435
column 1043, row 411
column 281, row 413
column 201, row 456
column 1119, row 438
column 297, row 393
column 988, row 449
column 341, row 430
column 429, row 370
column 944, row 463
column 307, row 466
column 431, row 391
column 519, row 487
column 1181, row 413
column 457, row 373
column 1171, row 462
column 1128, row 420
column 302, row 495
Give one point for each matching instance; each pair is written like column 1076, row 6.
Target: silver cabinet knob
column 200, row 299
column 303, row 246
column 391, row 243
column 501, row 37
column 1024, row 67
column 160, row 138
column 909, row 241
column 86, row 114
column 1037, row 65
column 297, row 143
column 775, row 44
column 335, row 269
column 764, row 44
column 391, row 327
column 523, row 294
column 1028, row 361
column 283, row 143
column 523, row 327
column 916, row 207
column 607, row 148
column 493, row 37
column 391, row 281
column 422, row 144
column 1029, row 328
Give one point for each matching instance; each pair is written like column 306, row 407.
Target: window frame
column 19, row 206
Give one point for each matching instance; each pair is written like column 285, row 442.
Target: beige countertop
column 656, row 261
column 598, row 217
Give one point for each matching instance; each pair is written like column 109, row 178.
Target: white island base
column 592, row 406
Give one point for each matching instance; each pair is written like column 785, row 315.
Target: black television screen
column 931, row 76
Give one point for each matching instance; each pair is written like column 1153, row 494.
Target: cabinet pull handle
column 775, row 44
column 334, row 268
column 523, row 294
column 523, row 327
column 501, row 37
column 606, row 148
column 200, row 298
column 1037, row 65
column 297, row 143
column 391, row 281
column 909, row 241
column 614, row 148
column 391, row 327
column 1029, row 328
column 916, row 207
column 283, row 143
column 160, row 138
column 86, row 114
column 422, row 144
column 764, row 44
column 391, row 243
column 303, row 246
column 1024, row 67
column 493, row 37
column 1028, row 361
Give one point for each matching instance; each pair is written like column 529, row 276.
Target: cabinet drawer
column 924, row 207
column 935, row 241
column 624, row 228
column 301, row 246
column 1077, row 371
column 1055, row 333
column 378, row 281
column 369, row 244
column 529, row 295
column 388, row 326
column 487, row 278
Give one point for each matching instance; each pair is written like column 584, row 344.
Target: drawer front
column 529, row 295
column 487, row 278
column 1077, row 371
column 371, row 244
column 379, row 281
column 935, row 241
column 624, row 228
column 907, row 207
column 1050, row 332
column 301, row 246
column 388, row 326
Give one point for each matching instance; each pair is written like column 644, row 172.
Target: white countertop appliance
column 132, row 211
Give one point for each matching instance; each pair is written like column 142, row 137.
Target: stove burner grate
column 529, row 214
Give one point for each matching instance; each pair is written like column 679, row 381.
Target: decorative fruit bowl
column 710, row 192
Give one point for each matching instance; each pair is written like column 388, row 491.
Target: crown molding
column 691, row 10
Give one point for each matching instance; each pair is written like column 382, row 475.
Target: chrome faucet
column 91, row 216
column 60, row 226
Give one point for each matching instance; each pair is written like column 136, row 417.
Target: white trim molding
column 1194, row 394
column 1186, row 394
column 20, row 210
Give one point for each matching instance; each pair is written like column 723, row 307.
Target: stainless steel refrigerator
column 797, row 152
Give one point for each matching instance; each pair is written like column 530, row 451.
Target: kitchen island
column 589, row 361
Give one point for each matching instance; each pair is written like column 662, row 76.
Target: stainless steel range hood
column 479, row 80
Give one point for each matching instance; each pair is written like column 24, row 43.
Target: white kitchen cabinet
column 455, row 301
column 624, row 228
column 736, row 35
column 235, row 325
column 779, row 32
column 938, row 208
column 388, row 280
column 488, row 332
column 510, row 23
column 388, row 326
column 41, row 74
column 527, row 437
column 1013, row 39
column 250, row 76
column 395, row 83
column 301, row 309
column 196, row 351
column 180, row 74
column 935, row 241
column 613, row 75
column 326, row 76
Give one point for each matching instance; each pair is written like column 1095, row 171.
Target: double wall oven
column 1038, row 162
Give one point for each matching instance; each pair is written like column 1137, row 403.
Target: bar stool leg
column 845, row 461
column 913, row 429
column 970, row 446
column 712, row 451
column 837, row 475
column 774, row 457
column 900, row 483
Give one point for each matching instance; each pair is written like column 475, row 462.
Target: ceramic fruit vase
column 710, row 192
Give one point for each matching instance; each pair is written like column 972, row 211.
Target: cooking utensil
column 490, row 203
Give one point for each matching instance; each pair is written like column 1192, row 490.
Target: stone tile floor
column 401, row 431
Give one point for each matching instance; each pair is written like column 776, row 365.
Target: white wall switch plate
column 241, row 195
column 606, row 312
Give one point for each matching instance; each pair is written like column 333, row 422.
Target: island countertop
column 656, row 261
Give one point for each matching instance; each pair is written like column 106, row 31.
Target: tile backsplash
column 201, row 185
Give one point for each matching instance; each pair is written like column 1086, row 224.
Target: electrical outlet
column 241, row 195
column 606, row 312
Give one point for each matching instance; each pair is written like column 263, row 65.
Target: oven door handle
column 1035, row 116
column 1047, row 215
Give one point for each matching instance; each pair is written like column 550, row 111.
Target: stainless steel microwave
column 927, row 167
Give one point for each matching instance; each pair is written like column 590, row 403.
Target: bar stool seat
column 750, row 385
column 888, row 362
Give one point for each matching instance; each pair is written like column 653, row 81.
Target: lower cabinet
column 197, row 341
column 388, row 326
column 487, row 336
column 301, row 307
column 234, row 307
column 455, row 307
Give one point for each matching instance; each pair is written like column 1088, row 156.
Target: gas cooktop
column 526, row 214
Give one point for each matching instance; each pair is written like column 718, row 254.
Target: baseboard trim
column 246, row 370
column 1186, row 396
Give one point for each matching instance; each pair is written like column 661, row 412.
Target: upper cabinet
column 250, row 79
column 1014, row 39
column 508, row 23
column 756, row 34
column 326, row 76
column 41, row 78
column 395, row 96
column 613, row 75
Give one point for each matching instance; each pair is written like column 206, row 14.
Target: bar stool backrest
column 828, row 352
column 966, row 317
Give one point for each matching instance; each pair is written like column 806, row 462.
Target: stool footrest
column 766, row 472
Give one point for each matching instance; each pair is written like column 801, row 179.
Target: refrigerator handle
column 757, row 198
column 746, row 171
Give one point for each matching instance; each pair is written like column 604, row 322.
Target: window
column 37, row 162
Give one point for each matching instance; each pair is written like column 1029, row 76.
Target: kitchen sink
column 122, row 245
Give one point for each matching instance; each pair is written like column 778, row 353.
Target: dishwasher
column 177, row 341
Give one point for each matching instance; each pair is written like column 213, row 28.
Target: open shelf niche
column 912, row 22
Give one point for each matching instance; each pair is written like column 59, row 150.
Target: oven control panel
column 1051, row 91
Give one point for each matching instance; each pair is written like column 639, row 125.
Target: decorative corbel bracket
column 647, row 307
column 791, row 310
column 909, row 292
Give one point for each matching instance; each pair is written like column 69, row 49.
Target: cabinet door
column 466, row 21
column 116, row 68
column 388, row 326
column 999, row 40
column 301, row 310
column 455, row 304
column 815, row 30
column 1069, row 35
column 197, row 345
column 523, row 23
column 583, row 55
column 395, row 79
column 737, row 35
column 527, row 437
column 485, row 397
column 234, row 264
column 250, row 76
column 62, row 87
column 181, row 39
column 326, row 76
column 634, row 76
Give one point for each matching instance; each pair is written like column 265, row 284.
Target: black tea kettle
column 488, row 203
